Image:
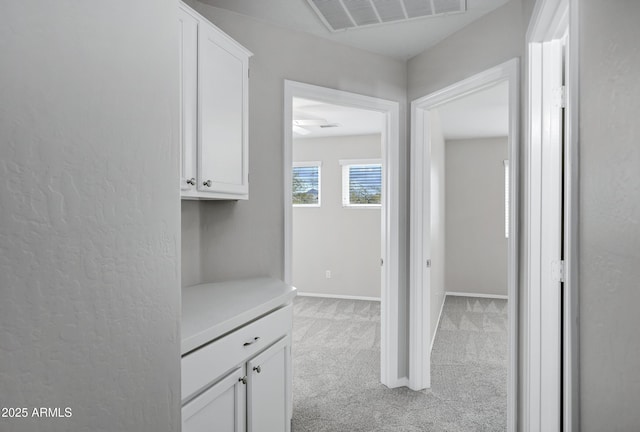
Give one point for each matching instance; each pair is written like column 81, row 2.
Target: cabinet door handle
column 191, row 181
column 257, row 369
column 243, row 380
column 255, row 339
column 207, row 183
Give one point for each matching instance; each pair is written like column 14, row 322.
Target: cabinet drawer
column 203, row 366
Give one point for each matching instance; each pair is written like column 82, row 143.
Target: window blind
column 306, row 185
column 365, row 184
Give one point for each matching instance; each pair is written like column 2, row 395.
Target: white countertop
column 213, row 309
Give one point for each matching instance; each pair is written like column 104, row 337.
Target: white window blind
column 306, row 184
column 361, row 183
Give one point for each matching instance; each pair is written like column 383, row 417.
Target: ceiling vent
column 345, row 14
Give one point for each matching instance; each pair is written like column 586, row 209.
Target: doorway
column 422, row 317
column 337, row 201
column 389, row 227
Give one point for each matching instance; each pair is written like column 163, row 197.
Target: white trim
column 433, row 339
column 552, row 21
column 401, row 382
column 338, row 296
column 419, row 323
column 390, row 216
column 476, row 295
column 571, row 349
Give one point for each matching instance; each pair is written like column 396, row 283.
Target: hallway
column 336, row 361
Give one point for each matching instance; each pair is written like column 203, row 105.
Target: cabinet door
column 221, row 408
column 188, row 69
column 222, row 114
column 269, row 389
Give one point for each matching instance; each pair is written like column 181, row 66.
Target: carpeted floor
column 336, row 368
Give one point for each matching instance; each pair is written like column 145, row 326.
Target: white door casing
column 551, row 396
column 419, row 356
column 390, row 215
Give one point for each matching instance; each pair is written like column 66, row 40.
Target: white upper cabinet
column 188, row 31
column 214, row 100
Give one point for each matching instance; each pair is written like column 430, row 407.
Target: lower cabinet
column 220, row 408
column 267, row 389
column 255, row 396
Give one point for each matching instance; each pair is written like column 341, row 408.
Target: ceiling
column 350, row 121
column 401, row 40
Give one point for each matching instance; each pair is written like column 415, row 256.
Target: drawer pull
column 257, row 369
column 255, row 339
column 243, row 380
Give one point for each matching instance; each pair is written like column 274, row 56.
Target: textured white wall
column 89, row 215
column 345, row 241
column 609, row 255
column 476, row 247
column 191, row 256
column 241, row 239
column 438, row 219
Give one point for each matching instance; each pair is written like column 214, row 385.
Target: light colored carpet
column 336, row 369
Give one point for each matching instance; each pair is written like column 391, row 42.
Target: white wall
column 609, row 250
column 476, row 246
column 344, row 240
column 438, row 219
column 89, row 211
column 241, row 239
column 191, row 243
column 493, row 39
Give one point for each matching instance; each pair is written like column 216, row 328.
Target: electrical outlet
column 328, row 274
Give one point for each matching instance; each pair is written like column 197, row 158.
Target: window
column 305, row 185
column 506, row 198
column 361, row 183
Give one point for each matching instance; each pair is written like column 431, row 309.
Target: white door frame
column 553, row 26
column 420, row 326
column 389, row 324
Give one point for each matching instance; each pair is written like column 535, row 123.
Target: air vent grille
column 344, row 14
column 446, row 6
column 389, row 10
column 334, row 15
column 361, row 12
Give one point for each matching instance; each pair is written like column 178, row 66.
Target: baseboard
column 338, row 296
column 491, row 296
column 400, row 382
column 433, row 339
